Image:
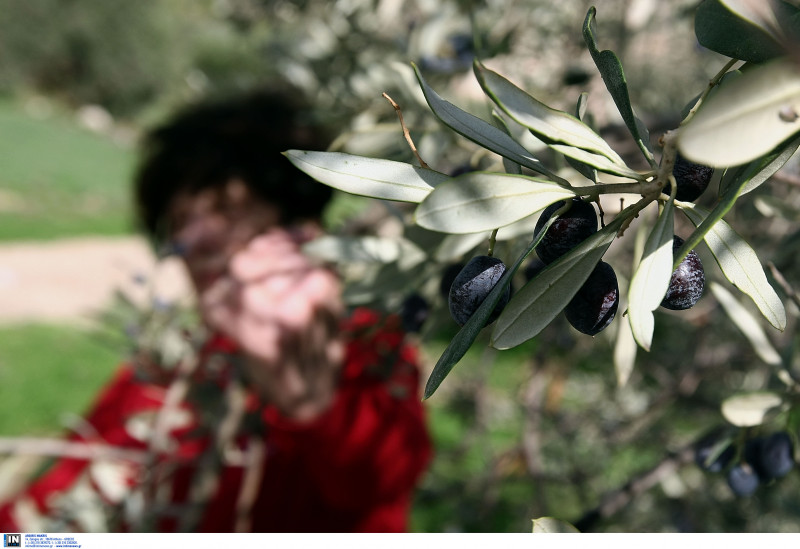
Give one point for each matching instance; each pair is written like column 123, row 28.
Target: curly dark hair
column 207, row 145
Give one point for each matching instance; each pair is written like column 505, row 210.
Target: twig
column 618, row 499
column 784, row 177
column 69, row 449
column 251, row 483
column 406, row 133
column 159, row 440
column 711, row 84
column 790, row 292
column 531, row 438
column 206, row 478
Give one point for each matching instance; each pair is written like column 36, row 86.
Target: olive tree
column 544, row 162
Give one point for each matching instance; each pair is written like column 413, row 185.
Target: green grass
column 47, row 371
column 58, row 180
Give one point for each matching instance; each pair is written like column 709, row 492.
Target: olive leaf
column 625, row 347
column 751, row 409
column 610, row 69
column 597, row 161
column 747, row 324
column 480, row 201
column 550, row 125
column 589, row 172
column 510, row 165
column 481, row 132
column 740, row 265
column 550, row 525
column 545, row 296
column 731, row 31
column 776, row 206
column 373, row 177
column 651, row 279
column 581, row 106
column 746, row 118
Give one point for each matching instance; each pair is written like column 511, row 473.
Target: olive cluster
column 758, row 460
column 595, row 304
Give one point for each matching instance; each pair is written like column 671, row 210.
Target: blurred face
column 210, row 226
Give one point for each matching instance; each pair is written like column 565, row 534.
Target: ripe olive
column 414, row 311
column 471, row 286
column 743, row 480
column 687, row 282
column 691, row 179
column 566, row 232
column 774, row 456
column 595, row 305
column 448, row 276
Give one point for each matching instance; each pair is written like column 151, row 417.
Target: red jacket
column 352, row 469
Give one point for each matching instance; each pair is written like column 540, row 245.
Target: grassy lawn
column 60, row 180
column 47, row 372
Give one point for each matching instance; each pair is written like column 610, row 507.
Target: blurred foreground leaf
column 550, row 525
column 746, row 118
column 752, row 409
column 747, row 324
column 728, row 31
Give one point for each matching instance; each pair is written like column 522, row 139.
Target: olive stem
column 492, row 242
column 406, row 133
column 595, row 191
column 711, row 85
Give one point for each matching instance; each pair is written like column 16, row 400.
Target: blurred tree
column 115, row 54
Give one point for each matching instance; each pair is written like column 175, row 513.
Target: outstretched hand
column 283, row 312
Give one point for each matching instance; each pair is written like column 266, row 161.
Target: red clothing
column 351, row 469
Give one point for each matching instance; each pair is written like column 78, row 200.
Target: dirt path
column 66, row 280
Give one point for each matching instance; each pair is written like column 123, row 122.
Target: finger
column 220, row 302
column 265, row 299
column 260, row 339
column 321, row 287
column 276, row 238
column 318, row 289
column 250, row 265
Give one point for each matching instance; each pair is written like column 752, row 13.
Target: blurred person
column 330, row 435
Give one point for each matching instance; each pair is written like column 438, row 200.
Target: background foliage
column 540, row 430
